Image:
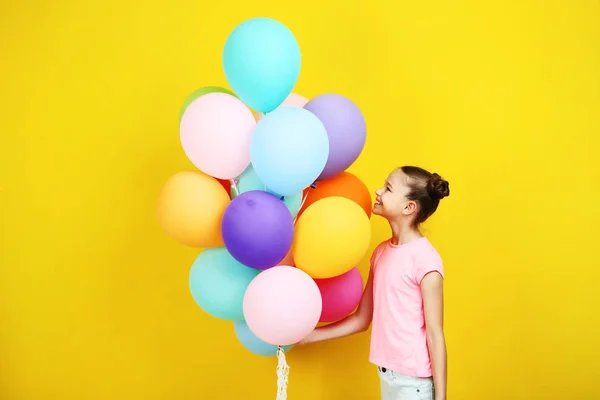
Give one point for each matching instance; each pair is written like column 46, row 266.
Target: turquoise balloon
column 248, row 181
column 289, row 149
column 261, row 60
column 294, row 203
column 253, row 343
column 218, row 283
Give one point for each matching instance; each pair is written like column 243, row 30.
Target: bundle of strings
column 283, row 371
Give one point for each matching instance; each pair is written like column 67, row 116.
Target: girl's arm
column 354, row 323
column 433, row 304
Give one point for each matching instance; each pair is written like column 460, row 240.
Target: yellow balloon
column 332, row 236
column 190, row 207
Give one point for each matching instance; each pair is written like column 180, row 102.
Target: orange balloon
column 288, row 259
column 190, row 207
column 343, row 185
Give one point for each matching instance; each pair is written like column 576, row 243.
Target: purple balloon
column 257, row 229
column 346, row 128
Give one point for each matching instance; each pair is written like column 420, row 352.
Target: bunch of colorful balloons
column 281, row 222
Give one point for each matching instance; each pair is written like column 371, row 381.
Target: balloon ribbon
column 283, row 371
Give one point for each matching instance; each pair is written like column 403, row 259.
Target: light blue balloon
column 218, row 283
column 248, row 181
column 289, row 149
column 261, row 60
column 253, row 343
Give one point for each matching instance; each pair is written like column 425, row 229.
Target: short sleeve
column 427, row 262
column 377, row 253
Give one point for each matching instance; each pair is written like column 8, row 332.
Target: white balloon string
column 301, row 204
column 283, row 371
column 234, row 186
column 303, row 200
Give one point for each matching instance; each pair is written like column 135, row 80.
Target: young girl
column 403, row 297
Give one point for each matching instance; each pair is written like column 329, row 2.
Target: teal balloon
column 289, row 149
column 293, row 203
column 248, row 181
column 261, row 60
column 218, row 283
column 253, row 343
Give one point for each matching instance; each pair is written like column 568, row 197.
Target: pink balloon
column 293, row 100
column 341, row 295
column 215, row 133
column 282, row 305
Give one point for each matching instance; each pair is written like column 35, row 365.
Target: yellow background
column 501, row 98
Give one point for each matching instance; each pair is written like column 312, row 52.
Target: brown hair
column 425, row 188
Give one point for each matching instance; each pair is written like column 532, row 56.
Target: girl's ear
column 410, row 207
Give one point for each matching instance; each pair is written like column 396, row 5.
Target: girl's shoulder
column 427, row 259
column 429, row 251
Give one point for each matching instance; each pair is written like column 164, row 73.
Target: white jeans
column 395, row 386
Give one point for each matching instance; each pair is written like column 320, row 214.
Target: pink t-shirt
column 398, row 336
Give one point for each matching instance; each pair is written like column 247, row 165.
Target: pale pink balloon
column 215, row 133
column 282, row 305
column 340, row 295
column 293, row 100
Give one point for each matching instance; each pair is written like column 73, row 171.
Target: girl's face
column 391, row 201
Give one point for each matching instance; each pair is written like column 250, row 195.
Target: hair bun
column 437, row 187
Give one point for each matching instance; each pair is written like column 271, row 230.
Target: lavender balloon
column 346, row 128
column 257, row 229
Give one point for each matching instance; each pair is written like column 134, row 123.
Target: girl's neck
column 403, row 232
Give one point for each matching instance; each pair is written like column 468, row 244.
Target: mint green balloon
column 294, row 203
column 201, row 92
column 218, row 283
column 248, row 181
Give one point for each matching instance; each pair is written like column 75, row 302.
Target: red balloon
column 341, row 295
column 226, row 184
